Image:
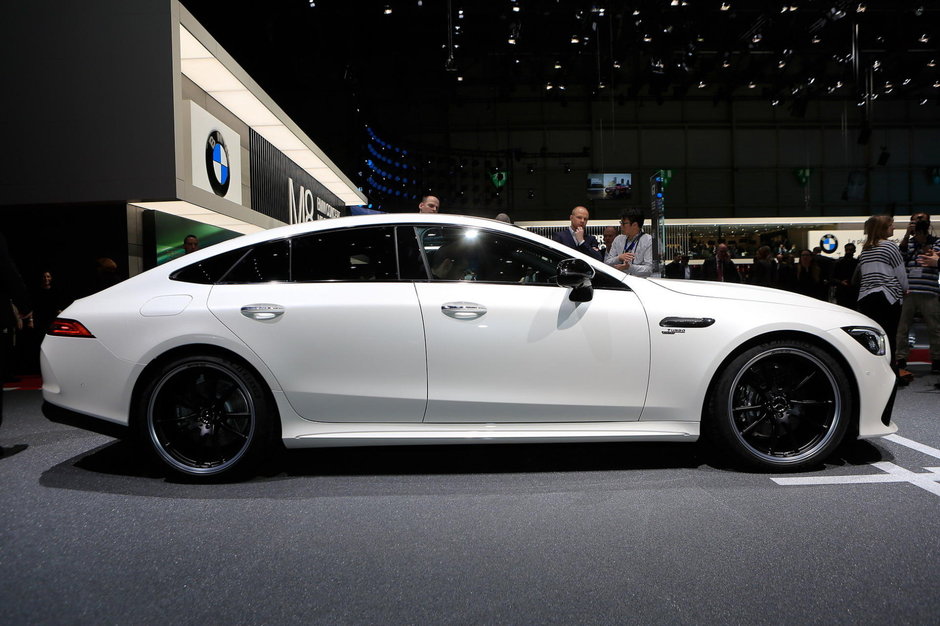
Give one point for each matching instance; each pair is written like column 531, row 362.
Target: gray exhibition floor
column 631, row 533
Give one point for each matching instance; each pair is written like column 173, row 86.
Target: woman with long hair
column 883, row 278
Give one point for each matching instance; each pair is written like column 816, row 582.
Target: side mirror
column 576, row 274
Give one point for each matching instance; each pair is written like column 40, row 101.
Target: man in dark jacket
column 721, row 268
column 576, row 236
column 12, row 294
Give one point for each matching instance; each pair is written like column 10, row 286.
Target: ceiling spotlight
column 460, row 79
column 919, row 11
column 835, row 13
column 876, row 64
column 931, row 63
column 557, row 65
column 774, row 103
column 838, row 84
column 725, row 6
column 674, row 3
column 751, row 85
column 459, row 14
column 548, row 87
column 701, row 84
column 602, row 85
column 906, row 81
column 889, row 84
column 616, row 65
column 860, row 8
column 388, row 10
column 936, row 84
column 923, row 38
column 811, row 80
column 923, row 102
column 516, row 8
column 511, row 41
column 561, row 87
column 636, row 12
column 781, row 64
column 574, row 39
column 647, row 38
column 816, row 39
column 756, row 38
column 726, row 63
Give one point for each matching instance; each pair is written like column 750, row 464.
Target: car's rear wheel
column 206, row 417
column 782, row 405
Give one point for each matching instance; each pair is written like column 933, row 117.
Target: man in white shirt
column 632, row 251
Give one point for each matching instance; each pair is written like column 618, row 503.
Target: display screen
column 609, row 186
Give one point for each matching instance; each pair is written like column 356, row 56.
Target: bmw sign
column 829, row 243
column 217, row 163
column 216, row 160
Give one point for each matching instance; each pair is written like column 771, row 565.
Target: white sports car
column 404, row 329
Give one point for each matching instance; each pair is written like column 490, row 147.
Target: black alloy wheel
column 782, row 405
column 206, row 417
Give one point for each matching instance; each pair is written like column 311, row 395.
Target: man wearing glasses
column 632, row 251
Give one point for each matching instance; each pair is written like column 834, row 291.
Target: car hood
column 749, row 293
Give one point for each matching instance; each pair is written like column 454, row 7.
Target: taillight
column 68, row 328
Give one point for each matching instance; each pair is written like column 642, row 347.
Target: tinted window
column 210, row 270
column 349, row 255
column 461, row 253
column 264, row 263
column 410, row 259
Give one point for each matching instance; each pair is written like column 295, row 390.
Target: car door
column 342, row 335
column 506, row 344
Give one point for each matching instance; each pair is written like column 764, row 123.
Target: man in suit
column 576, row 237
column 721, row 268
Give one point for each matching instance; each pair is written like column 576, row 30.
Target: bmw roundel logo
column 217, row 163
column 829, row 243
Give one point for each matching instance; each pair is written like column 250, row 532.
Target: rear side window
column 211, row 270
column 264, row 263
column 356, row 254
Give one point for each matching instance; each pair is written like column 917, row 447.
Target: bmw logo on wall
column 829, row 243
column 217, row 163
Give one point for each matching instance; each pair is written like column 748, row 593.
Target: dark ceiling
column 333, row 63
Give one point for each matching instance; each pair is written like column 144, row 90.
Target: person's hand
column 623, row 267
column 627, row 257
column 579, row 234
column 928, row 259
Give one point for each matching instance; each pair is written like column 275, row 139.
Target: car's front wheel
column 781, row 405
column 205, row 417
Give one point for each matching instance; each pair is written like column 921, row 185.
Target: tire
column 206, row 417
column 782, row 406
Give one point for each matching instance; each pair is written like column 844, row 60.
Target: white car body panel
column 535, row 367
column 341, row 352
column 538, row 348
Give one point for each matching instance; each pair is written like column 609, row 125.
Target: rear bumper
column 68, row 417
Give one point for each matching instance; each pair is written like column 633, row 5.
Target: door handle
column 262, row 311
column 463, row 310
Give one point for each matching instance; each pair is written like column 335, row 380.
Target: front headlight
column 871, row 339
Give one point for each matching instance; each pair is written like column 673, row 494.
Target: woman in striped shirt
column 883, row 278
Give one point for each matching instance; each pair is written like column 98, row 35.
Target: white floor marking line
column 910, row 443
column 929, row 480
